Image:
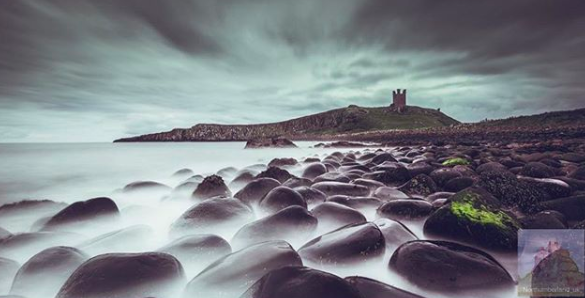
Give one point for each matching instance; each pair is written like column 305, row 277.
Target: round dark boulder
column 125, row 275
column 372, row 185
column 254, row 191
column 359, row 203
column 387, row 194
column 195, row 252
column 511, row 191
column 301, row 282
column 275, row 173
column 448, row 266
column 340, row 188
column 474, row 216
column 332, row 176
column 394, row 173
column 281, row 162
column 578, row 173
column 459, row 184
column 573, row 208
column 314, row 170
column 311, row 195
column 242, row 179
column 537, row 170
column 443, row 175
column 183, row 173
column 439, row 195
column 212, row 215
column 294, row 182
column 212, row 186
column 293, row 224
column 332, row 216
column 491, row 166
column 143, row 186
column 349, row 244
column 417, row 168
column 405, row 209
column 83, row 211
column 231, row 275
column 47, row 271
column 280, row 198
column 370, row 288
column 543, row 221
column 8, row 268
column 383, row 157
column 554, row 188
column 421, row 184
column 395, row 233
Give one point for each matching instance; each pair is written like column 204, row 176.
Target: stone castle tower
column 398, row 100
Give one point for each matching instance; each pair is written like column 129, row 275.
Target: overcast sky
column 96, row 70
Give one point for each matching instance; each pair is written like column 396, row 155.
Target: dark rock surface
column 311, row 195
column 301, row 282
column 405, row 209
column 83, row 211
column 212, row 186
column 275, row 173
column 281, row 197
column 370, row 288
column 254, row 191
column 340, row 188
column 447, row 266
column 332, row 216
column 314, row 170
column 125, row 275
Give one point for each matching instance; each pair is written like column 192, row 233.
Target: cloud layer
column 95, row 70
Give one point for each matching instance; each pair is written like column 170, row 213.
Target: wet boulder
column 387, row 194
column 389, row 173
column 280, row 198
column 125, row 275
column 314, row 170
column 383, row 157
column 47, row 271
column 254, row 191
column 8, row 268
column 573, row 208
column 395, row 233
column 421, row 184
column 301, row 282
column 332, row 216
column 233, row 274
column 293, row 224
column 332, row 176
column 554, row 188
column 349, row 244
column 417, row 168
column 447, row 266
column 359, row 203
column 405, row 209
column 511, row 191
column 443, row 175
column 294, row 182
column 195, row 252
column 370, row 288
column 311, row 195
column 544, row 220
column 146, row 186
column 475, row 217
column 211, row 186
column 83, row 212
column 537, row 170
column 340, row 188
column 183, row 173
column 459, row 184
column 281, row 162
column 275, row 173
column 372, row 185
column 212, row 215
column 241, row 179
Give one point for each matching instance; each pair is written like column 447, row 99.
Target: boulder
column 195, row 252
column 372, row 185
column 383, row 157
column 280, row 198
column 458, row 184
column 359, row 203
column 578, row 173
column 332, row 216
column 275, row 173
column 474, row 216
column 347, row 245
column 146, row 186
column 389, row 173
column 125, row 275
column 183, row 173
column 447, row 266
column 47, row 271
column 22, row 246
column 281, row 162
column 421, row 184
column 8, row 268
column 395, row 233
column 130, row 239
column 573, row 208
column 254, row 191
column 417, row 168
column 370, row 288
column 314, row 170
column 275, row 142
column 443, row 175
column 301, row 282
column 405, row 209
column 554, row 188
column 83, row 212
column 544, row 220
column 242, row 179
column 537, row 170
column 311, row 195
column 293, row 224
column 212, row 186
column 332, row 176
column 340, row 188
column 217, row 214
column 233, row 274
column 294, row 182
column 511, row 191
column 387, row 194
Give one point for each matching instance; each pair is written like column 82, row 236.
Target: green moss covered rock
column 458, row 161
column 474, row 216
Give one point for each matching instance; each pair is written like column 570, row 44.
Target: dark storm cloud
column 101, row 69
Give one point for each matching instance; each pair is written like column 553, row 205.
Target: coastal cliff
column 345, row 120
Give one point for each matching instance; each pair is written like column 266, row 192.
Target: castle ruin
column 398, row 100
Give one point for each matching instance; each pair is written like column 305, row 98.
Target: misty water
column 73, row 172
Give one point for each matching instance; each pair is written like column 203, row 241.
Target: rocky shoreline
column 438, row 217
